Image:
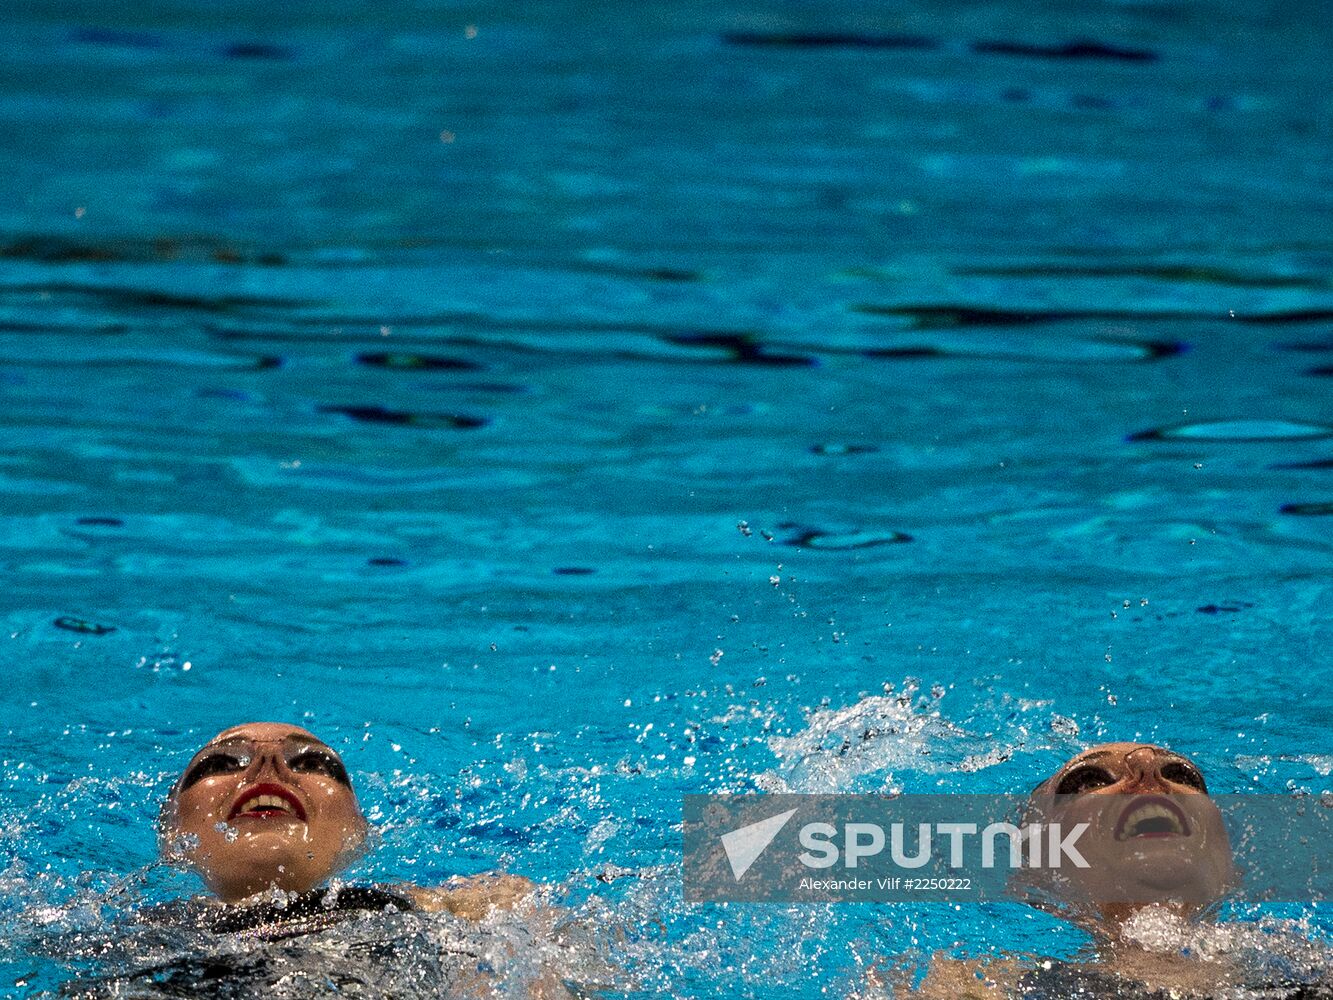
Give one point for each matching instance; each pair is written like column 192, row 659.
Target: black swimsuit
column 1067, row 981
column 307, row 913
column 377, row 963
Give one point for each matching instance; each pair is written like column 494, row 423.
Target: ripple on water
column 1081, row 49
column 1308, row 509
column 417, row 362
column 743, row 349
column 1314, row 463
column 256, row 50
column 843, row 448
column 1085, row 350
column 99, row 357
column 983, row 344
column 827, row 40
column 348, row 478
column 1236, row 431
column 816, row 538
column 81, row 626
column 373, row 414
column 1227, row 607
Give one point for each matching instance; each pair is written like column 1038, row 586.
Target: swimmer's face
column 1154, row 836
column 265, row 805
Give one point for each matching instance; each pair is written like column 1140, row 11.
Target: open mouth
column 267, row 801
column 1152, row 816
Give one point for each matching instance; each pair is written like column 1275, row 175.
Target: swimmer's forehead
column 1120, row 750
column 265, row 732
column 1097, row 755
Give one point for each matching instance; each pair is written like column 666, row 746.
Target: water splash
column 1268, row 950
column 883, row 741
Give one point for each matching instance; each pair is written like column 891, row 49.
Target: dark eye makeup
column 323, row 762
column 213, row 764
column 1089, row 777
column 310, row 760
column 1180, row 772
column 1086, row 778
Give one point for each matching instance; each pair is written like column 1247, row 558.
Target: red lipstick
column 267, row 800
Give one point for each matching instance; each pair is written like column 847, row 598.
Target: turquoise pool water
column 563, row 410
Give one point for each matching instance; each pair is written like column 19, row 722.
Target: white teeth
column 266, row 802
column 1146, row 812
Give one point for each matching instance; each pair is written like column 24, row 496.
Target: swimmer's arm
column 968, row 979
column 947, row 979
column 476, row 897
column 472, row 897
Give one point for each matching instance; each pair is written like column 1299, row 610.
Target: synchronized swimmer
column 267, row 806
column 1157, row 847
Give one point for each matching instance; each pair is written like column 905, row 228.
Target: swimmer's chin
column 254, row 884
column 1184, row 882
column 268, row 861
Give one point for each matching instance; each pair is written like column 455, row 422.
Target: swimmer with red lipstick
column 267, row 806
column 266, row 814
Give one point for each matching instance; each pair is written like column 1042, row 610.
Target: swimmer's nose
column 1145, row 769
column 269, row 762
